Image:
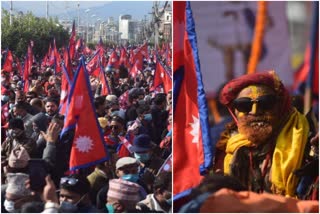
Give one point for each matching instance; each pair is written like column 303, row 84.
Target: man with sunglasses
column 268, row 141
column 74, row 195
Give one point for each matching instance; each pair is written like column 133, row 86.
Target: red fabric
column 27, row 69
column 231, row 90
column 8, row 63
column 88, row 147
column 187, row 154
column 113, row 60
column 72, row 41
column 161, row 76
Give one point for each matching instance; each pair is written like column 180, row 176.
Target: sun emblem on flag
column 63, row 94
column 84, row 143
column 162, row 74
column 195, row 125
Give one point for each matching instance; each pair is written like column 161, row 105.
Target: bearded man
column 268, row 140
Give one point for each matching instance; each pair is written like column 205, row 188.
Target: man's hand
column 52, row 133
column 49, row 191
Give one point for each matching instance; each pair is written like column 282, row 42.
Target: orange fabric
column 258, row 37
column 226, row 200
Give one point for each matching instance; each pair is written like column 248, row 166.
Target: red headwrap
column 270, row 79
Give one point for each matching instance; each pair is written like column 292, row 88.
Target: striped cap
column 123, row 190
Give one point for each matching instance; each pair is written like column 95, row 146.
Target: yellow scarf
column 287, row 155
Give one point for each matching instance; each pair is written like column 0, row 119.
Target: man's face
column 116, row 128
column 18, row 112
column 127, row 169
column 51, row 108
column 20, row 97
column 66, row 195
column 256, row 111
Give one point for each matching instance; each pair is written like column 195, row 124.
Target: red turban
column 270, row 79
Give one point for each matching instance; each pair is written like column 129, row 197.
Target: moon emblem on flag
column 83, row 143
column 195, row 125
column 162, row 75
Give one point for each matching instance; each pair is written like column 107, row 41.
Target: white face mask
column 9, row 206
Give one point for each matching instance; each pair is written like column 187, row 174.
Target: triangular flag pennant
column 72, row 41
column 88, row 144
column 8, row 62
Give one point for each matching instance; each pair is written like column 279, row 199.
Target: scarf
column 287, row 156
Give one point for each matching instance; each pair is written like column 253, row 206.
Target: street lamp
column 87, row 12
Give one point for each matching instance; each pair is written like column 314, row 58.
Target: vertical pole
column 11, row 13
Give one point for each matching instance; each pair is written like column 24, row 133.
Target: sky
column 68, row 9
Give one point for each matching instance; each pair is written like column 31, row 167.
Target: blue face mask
column 67, row 207
column 169, row 201
column 144, row 157
column 110, row 208
column 147, row 117
column 131, row 177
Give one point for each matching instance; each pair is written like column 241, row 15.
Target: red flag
column 27, row 69
column 79, row 44
column 105, row 89
column 124, row 58
column 57, row 58
column 144, row 50
column 162, row 76
column 19, row 67
column 166, row 166
column 138, row 59
column 134, row 71
column 72, row 41
column 192, row 154
column 8, row 63
column 88, row 145
column 113, row 60
column 68, row 65
column 93, row 67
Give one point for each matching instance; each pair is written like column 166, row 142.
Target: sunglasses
column 114, row 127
column 265, row 103
column 69, row 181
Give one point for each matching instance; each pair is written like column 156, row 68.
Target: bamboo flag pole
column 258, row 37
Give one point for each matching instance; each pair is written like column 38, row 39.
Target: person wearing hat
column 126, row 169
column 150, row 163
column 74, row 195
column 40, row 123
column 16, row 136
column 16, row 194
column 122, row 196
column 268, row 148
column 161, row 198
column 19, row 111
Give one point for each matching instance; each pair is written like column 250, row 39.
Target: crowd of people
column 131, row 180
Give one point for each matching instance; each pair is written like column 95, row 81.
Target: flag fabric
column 126, row 143
column 67, row 63
column 93, row 64
column 8, row 62
column 4, row 113
column 88, row 145
column 65, row 83
column 72, row 41
column 134, row 71
column 57, row 60
column 166, row 166
column 124, row 58
column 27, row 69
column 105, row 88
column 162, row 76
column 113, row 61
column 192, row 156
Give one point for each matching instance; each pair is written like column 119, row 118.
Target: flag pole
column 314, row 42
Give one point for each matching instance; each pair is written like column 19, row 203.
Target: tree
column 27, row 27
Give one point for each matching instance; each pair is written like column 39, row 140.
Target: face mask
column 5, row 98
column 67, row 207
column 142, row 157
column 18, row 117
column 169, row 201
column 13, row 86
column 36, row 129
column 110, row 208
column 9, row 206
column 131, row 177
column 147, row 117
column 11, row 105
